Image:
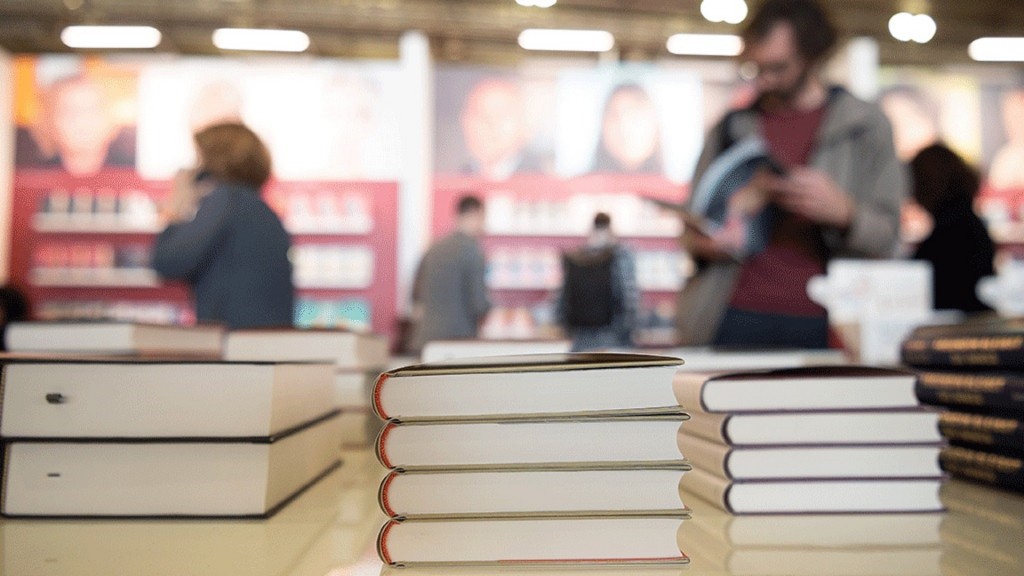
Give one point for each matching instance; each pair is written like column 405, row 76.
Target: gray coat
column 854, row 147
column 450, row 289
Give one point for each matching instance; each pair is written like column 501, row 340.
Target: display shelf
column 83, row 248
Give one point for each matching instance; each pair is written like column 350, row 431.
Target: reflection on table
column 330, row 531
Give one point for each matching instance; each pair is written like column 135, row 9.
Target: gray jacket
column 854, row 147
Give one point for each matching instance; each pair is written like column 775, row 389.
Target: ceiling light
column 996, row 49
column 704, row 44
column 730, row 11
column 907, row 27
column 566, row 40
column 113, row 37
column 536, row 3
column 265, row 40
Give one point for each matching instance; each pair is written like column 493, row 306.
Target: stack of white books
column 358, row 358
column 817, row 439
column 133, row 437
column 545, row 459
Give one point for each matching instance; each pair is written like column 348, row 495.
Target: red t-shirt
column 775, row 280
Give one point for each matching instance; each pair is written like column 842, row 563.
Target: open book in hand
column 732, row 210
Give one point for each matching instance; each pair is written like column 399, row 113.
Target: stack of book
column 823, row 439
column 975, row 372
column 129, row 437
column 543, row 459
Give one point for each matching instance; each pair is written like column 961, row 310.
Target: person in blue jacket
column 223, row 239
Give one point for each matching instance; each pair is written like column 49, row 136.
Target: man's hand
column 814, row 195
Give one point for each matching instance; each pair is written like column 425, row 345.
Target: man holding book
column 838, row 196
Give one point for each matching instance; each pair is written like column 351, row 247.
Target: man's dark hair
column 813, row 29
column 602, row 221
column 469, row 203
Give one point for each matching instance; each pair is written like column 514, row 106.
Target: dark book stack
column 975, row 372
column 548, row 459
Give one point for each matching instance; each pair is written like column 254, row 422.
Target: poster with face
column 75, row 115
column 321, row 120
column 629, row 120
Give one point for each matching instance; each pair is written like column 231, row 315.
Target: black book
column 1001, row 392
column 985, row 432
column 988, row 343
column 993, row 468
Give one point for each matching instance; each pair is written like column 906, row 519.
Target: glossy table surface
column 330, row 531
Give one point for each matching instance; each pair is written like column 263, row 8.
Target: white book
column 532, row 541
column 131, row 398
column 914, row 426
column 833, row 496
column 527, row 385
column 517, row 442
column 533, row 492
column 114, row 338
column 166, row 478
column 796, row 389
column 815, row 461
column 345, row 348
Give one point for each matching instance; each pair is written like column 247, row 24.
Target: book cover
column 528, row 385
column 69, row 397
column 534, row 492
column 796, row 389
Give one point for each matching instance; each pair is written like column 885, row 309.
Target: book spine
column 981, row 390
column 987, row 467
column 380, row 446
column 996, row 433
column 995, row 351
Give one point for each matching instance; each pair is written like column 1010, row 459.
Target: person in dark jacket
column 223, row 240
column 959, row 246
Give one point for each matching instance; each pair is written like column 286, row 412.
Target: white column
column 862, row 63
column 415, row 185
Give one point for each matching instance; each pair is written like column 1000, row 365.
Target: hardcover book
column 166, row 478
column 796, row 389
column 528, row 385
column 832, row 496
column 66, row 397
column 538, row 442
column 114, row 338
column 979, row 391
column 991, row 433
column 991, row 343
column 810, row 461
column 525, row 491
column 853, row 427
column 598, row 541
column 993, row 468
